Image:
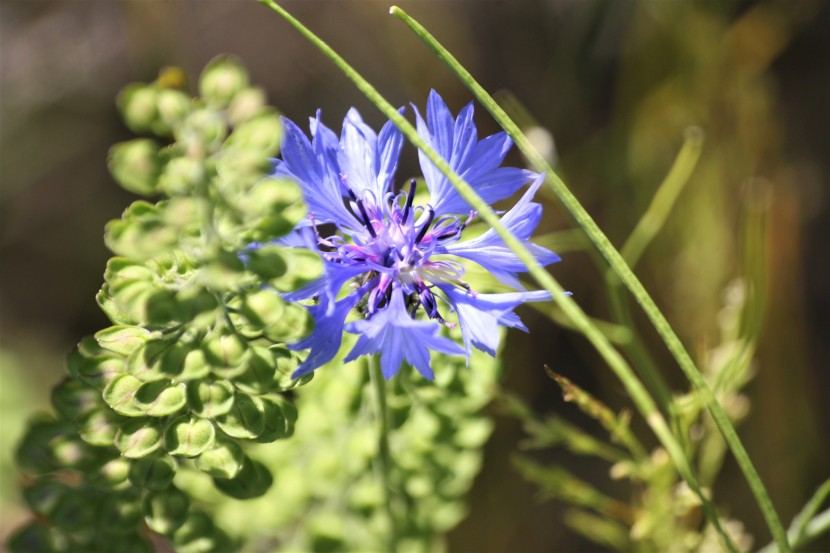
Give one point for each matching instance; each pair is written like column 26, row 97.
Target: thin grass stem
column 639, row 395
column 621, row 268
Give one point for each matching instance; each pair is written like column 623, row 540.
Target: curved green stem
column 621, row 268
column 634, row 387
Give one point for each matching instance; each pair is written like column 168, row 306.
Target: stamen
column 423, row 231
column 366, row 222
column 409, row 200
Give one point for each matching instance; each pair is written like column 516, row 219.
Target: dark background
column 616, row 82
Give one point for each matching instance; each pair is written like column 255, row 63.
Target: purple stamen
column 424, row 228
column 412, row 184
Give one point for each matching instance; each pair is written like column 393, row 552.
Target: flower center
column 394, row 244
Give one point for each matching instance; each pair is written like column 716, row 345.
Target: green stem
column 625, row 273
column 384, row 457
column 633, row 386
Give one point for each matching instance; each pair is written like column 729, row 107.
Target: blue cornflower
column 395, row 258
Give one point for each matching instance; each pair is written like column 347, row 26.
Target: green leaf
column 189, row 436
column 154, row 474
column 223, row 460
column 120, row 395
column 245, row 420
column 160, row 398
column 165, row 511
column 253, row 480
column 138, row 438
column 122, row 339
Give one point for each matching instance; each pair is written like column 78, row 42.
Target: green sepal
column 138, row 438
column 173, row 107
column 37, row 536
column 223, row 460
column 140, row 233
column 253, row 480
column 195, row 366
column 73, row 399
column 153, row 473
column 225, row 350
column 286, row 362
column 157, row 360
column 181, row 176
column 248, row 104
column 295, row 323
column 245, row 420
column 112, row 474
column 222, row 79
column 210, row 398
column 138, row 105
column 160, row 398
column 43, row 495
column 136, row 165
column 75, row 510
column 304, row 267
column 165, row 511
column 120, row 515
column 268, row 262
column 259, row 136
column 260, row 309
column 197, row 535
column 188, row 436
column 258, row 377
column 99, row 427
column 35, row 454
column 280, row 415
column 122, row 339
column 120, row 395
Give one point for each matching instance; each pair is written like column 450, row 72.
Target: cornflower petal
column 398, row 337
column 479, row 315
column 490, row 251
column 477, row 162
column 324, row 341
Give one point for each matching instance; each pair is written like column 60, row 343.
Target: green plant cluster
column 661, row 512
column 328, row 495
column 194, row 368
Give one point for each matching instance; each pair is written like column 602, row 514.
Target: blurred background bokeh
column 614, row 83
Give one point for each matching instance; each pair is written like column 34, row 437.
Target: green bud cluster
column 194, row 368
column 333, row 499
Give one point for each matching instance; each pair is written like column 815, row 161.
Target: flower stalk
column 384, row 457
